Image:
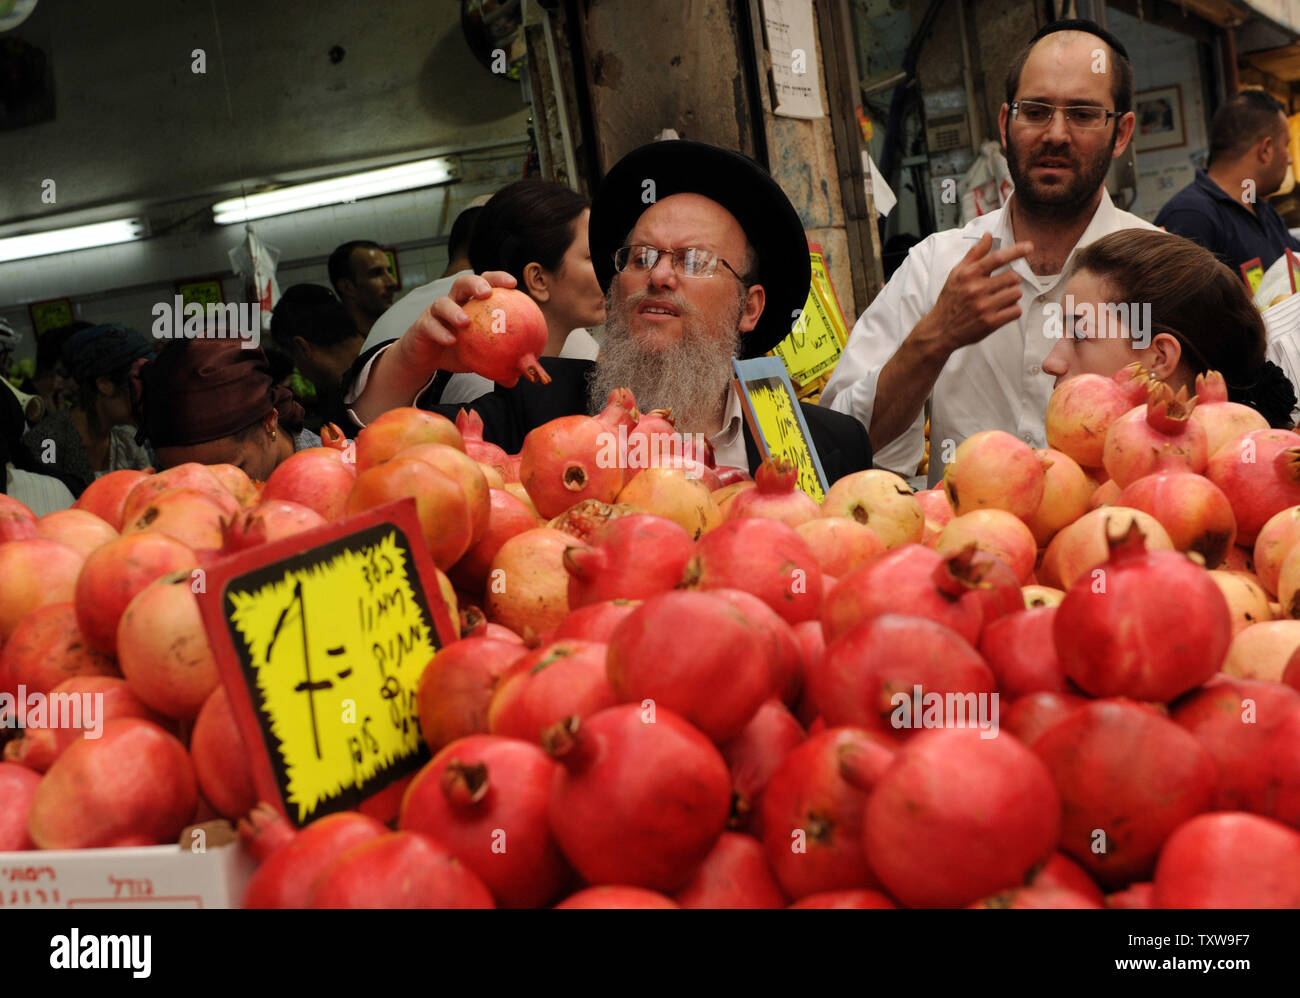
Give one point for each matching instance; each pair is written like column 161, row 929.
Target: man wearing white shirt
column 951, row 325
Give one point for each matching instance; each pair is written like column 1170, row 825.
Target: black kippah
column 1080, row 24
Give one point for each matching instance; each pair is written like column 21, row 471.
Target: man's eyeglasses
column 1036, row 113
column 689, row 261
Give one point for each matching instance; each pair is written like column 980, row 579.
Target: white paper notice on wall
column 875, row 184
column 792, row 44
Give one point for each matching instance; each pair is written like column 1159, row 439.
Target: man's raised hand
column 975, row 301
column 425, row 345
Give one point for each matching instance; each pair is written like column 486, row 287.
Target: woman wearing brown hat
column 215, row 402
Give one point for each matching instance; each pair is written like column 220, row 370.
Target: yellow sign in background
column 815, row 343
column 774, row 412
column 333, row 651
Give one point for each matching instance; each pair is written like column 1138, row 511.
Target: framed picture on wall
column 1159, row 119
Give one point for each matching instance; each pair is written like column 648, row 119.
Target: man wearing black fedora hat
column 702, row 258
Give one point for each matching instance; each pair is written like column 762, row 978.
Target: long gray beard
column 690, row 377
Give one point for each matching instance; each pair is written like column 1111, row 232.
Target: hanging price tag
column 775, row 419
column 321, row 640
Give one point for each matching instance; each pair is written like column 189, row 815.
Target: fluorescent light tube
column 372, row 183
column 74, row 238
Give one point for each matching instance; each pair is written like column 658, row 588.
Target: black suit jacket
column 509, row 413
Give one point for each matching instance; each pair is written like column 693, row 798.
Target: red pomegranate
column 569, row 459
column 1158, row 436
column 1030, row 715
column 1192, row 509
column 48, row 648
column 754, row 755
column 607, row 896
column 1259, row 472
column 189, row 475
column 880, row 500
column 898, row 675
column 640, row 796
column 935, row 843
column 1066, row 492
column 1234, row 719
column 238, row 484
column 268, row 521
column 1282, row 799
column 17, row 788
column 78, row 529
column 911, row 580
column 776, row 497
column 993, row 469
column 555, row 681
column 470, row 425
column 465, row 472
column 812, row 811
column 680, row 650
column 440, row 503
column 1127, row 778
column 17, row 522
column 839, row 544
column 1022, row 654
column 507, row 517
column 114, row 574
column 1276, row 539
column 163, row 649
column 1085, row 543
column 132, row 786
column 1152, row 626
column 784, row 653
column 1229, row 860
column 1061, row 871
column 1082, row 409
column 221, row 760
column 399, row 870
column 398, row 429
column 293, row 861
column 35, row 573
column 763, row 557
column 630, row 557
column 193, row 517
column 735, row 874
column 318, row 478
column 1222, row 420
column 484, row 799
column 595, row 622
column 845, row 899
column 528, row 587
column 456, row 687
column 77, row 706
column 505, row 334
column 996, row 532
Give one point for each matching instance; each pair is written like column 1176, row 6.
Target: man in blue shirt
column 1224, row 208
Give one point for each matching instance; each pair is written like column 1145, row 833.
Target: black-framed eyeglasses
column 689, row 261
column 1038, row 114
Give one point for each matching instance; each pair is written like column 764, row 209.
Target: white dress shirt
column 995, row 384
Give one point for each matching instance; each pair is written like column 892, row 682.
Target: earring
column 273, row 433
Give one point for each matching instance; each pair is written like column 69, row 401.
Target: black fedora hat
column 680, row 166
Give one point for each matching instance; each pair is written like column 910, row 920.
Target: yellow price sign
column 818, row 336
column 204, row 293
column 776, row 420
column 51, row 314
column 1253, row 272
column 322, row 651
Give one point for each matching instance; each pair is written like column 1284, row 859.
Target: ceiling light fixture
column 75, row 237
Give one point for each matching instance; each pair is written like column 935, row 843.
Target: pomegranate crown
column 1210, row 387
column 961, row 572
column 776, row 475
column 1133, row 381
column 1167, row 412
column 1128, row 544
column 470, row 424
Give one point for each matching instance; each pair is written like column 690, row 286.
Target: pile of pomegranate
column 1069, row 677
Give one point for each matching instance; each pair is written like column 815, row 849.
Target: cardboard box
column 149, row 877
